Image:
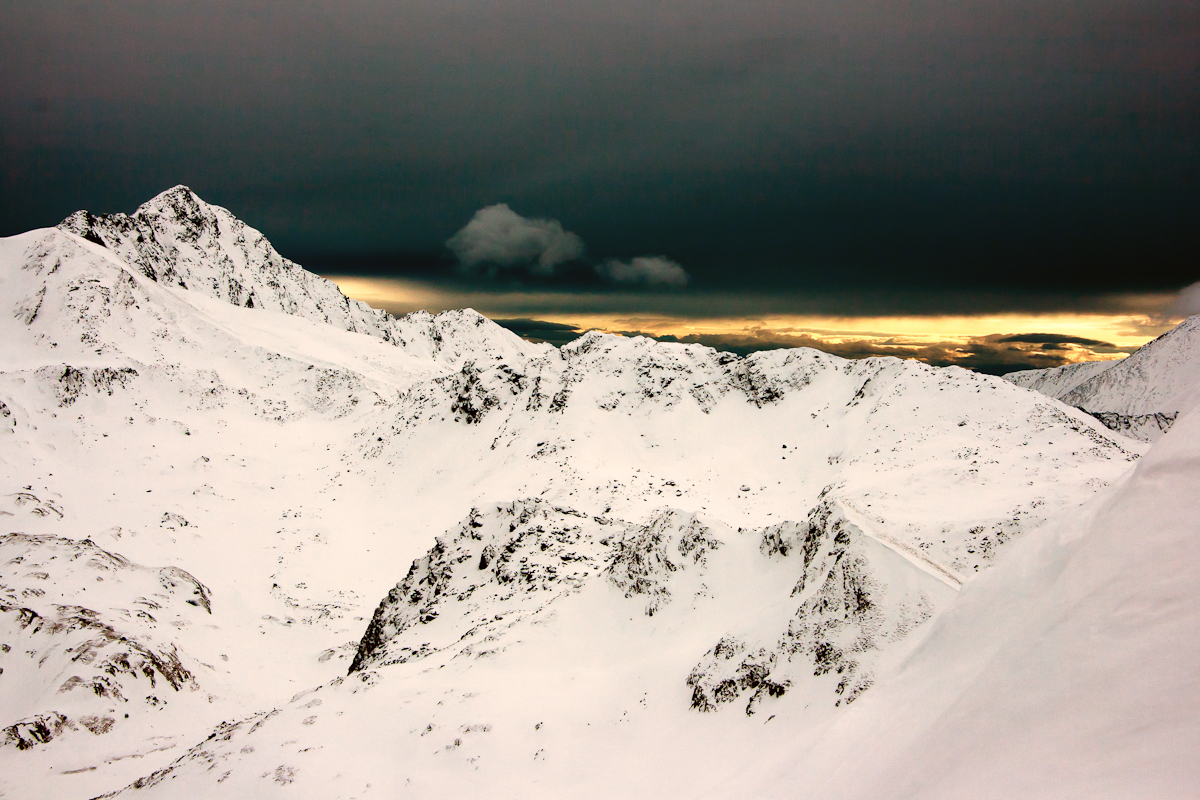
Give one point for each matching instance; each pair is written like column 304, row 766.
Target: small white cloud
column 498, row 235
column 652, row 270
column 1187, row 303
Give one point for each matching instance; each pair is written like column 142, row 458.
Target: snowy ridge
column 503, row 567
column 177, row 239
column 854, row 599
column 704, row 543
column 493, row 572
column 1058, row 381
column 1070, row 669
column 848, row 422
column 526, row 571
column 1152, row 380
column 1139, row 396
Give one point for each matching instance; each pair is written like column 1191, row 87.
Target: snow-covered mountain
column 1070, row 670
column 582, row 553
column 178, row 240
column 1139, row 396
column 1058, row 381
column 92, row 621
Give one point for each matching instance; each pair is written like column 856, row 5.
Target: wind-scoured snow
column 435, row 558
column 96, row 632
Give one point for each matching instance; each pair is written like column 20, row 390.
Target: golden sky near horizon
column 1121, row 325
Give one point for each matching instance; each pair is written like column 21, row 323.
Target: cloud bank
column 649, row 270
column 538, row 330
column 1187, row 303
column 500, row 236
column 497, row 236
column 996, row 354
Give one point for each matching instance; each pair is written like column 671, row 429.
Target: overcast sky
column 1018, row 144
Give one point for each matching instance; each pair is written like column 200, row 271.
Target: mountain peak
column 182, row 206
column 177, row 239
column 1140, row 395
column 179, row 192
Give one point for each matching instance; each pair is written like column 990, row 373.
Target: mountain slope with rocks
column 1069, row 671
column 437, row 558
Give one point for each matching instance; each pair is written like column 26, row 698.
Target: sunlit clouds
column 1104, row 327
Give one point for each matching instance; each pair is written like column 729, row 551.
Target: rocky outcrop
column 644, row 557
column 35, row 730
column 496, row 569
column 855, row 600
column 80, row 662
column 504, row 565
column 71, row 383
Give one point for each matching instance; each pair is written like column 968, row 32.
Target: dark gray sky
column 1016, row 145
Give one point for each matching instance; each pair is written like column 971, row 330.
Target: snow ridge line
column 905, row 551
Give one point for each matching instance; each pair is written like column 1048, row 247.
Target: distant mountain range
column 1139, row 396
column 259, row 536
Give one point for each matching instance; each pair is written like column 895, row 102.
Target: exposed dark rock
column 119, row 651
column 34, row 730
column 74, row 382
column 480, row 578
column 644, row 558
column 846, row 614
column 1137, row 426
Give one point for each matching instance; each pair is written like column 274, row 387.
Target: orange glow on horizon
column 1123, row 330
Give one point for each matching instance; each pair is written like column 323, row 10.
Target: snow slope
column 1071, row 670
column 1139, row 396
column 1156, row 378
column 676, row 544
column 1058, row 381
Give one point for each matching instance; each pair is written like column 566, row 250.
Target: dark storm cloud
column 765, row 144
column 1056, row 339
column 536, row 330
